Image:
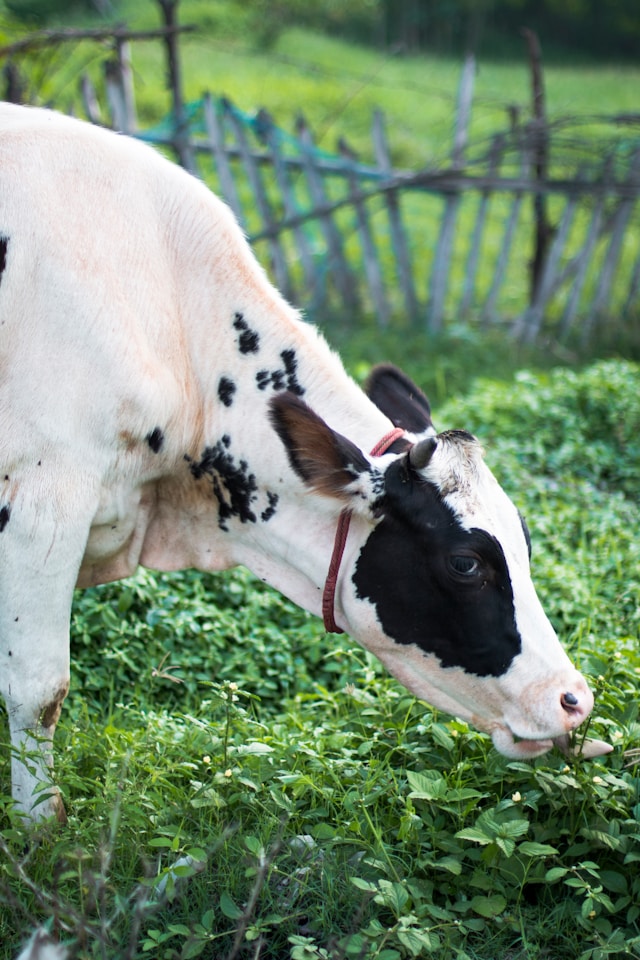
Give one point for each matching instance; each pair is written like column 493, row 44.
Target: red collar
column 342, row 531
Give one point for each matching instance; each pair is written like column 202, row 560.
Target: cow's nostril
column 569, row 701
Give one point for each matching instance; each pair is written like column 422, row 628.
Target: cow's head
column 436, row 581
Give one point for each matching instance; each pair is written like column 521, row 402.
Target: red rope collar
column 342, row 532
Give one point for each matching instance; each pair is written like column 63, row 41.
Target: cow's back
column 107, row 251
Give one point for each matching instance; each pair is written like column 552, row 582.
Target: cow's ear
column 325, row 460
column 399, row 399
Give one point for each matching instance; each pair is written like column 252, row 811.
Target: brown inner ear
column 324, row 459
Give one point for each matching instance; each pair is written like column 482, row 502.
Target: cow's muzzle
column 562, row 716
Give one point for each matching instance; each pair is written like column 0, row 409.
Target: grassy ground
column 287, row 799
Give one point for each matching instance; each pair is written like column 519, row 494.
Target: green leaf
column 426, row 787
column 555, row 873
column 364, row 885
column 506, row 845
column 392, row 895
column 614, row 881
column 254, row 749
column 415, row 940
column 450, row 864
column 193, row 949
column 489, row 906
column 254, row 846
column 473, row 833
column 229, row 908
column 532, row 849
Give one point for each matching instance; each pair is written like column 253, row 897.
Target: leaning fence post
column 268, row 132
column 612, row 256
column 181, row 124
column 469, row 280
column 527, row 326
column 340, row 273
column 278, row 259
column 398, row 236
column 90, row 100
column 444, row 248
column 215, row 135
column 507, row 240
column 370, row 254
column 543, row 229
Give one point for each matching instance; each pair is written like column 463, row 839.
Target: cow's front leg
column 32, row 729
column 39, row 559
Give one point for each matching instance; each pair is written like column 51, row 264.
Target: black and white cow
column 160, row 404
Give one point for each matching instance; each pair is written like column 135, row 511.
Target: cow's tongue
column 505, row 742
column 588, row 748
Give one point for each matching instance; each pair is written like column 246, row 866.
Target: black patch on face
column 284, row 378
column 155, row 439
column 5, row 514
column 234, row 487
column 271, row 509
column 4, row 243
column 249, row 340
column 415, row 569
column 226, row 391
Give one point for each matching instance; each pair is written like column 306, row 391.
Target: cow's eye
column 464, row 566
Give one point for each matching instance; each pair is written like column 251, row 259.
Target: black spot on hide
column 271, row 509
column 5, row 513
column 284, row 378
column 226, row 391
column 4, row 243
column 249, row 340
column 234, row 487
column 155, row 439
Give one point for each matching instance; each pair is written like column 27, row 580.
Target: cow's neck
column 278, row 528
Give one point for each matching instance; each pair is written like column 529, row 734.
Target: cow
column 161, row 404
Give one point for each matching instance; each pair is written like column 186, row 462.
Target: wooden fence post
column 268, row 131
column 398, row 237
column 119, row 89
column 345, row 282
column 473, row 259
column 181, row 142
column 215, row 135
column 620, row 223
column 278, row 259
column 489, row 309
column 527, row 327
column 444, row 247
column 369, row 251
column 538, row 130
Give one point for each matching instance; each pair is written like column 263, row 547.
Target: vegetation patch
column 239, row 785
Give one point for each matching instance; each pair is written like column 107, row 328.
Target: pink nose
column 577, row 709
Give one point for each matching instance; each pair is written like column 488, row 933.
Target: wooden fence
column 516, row 233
